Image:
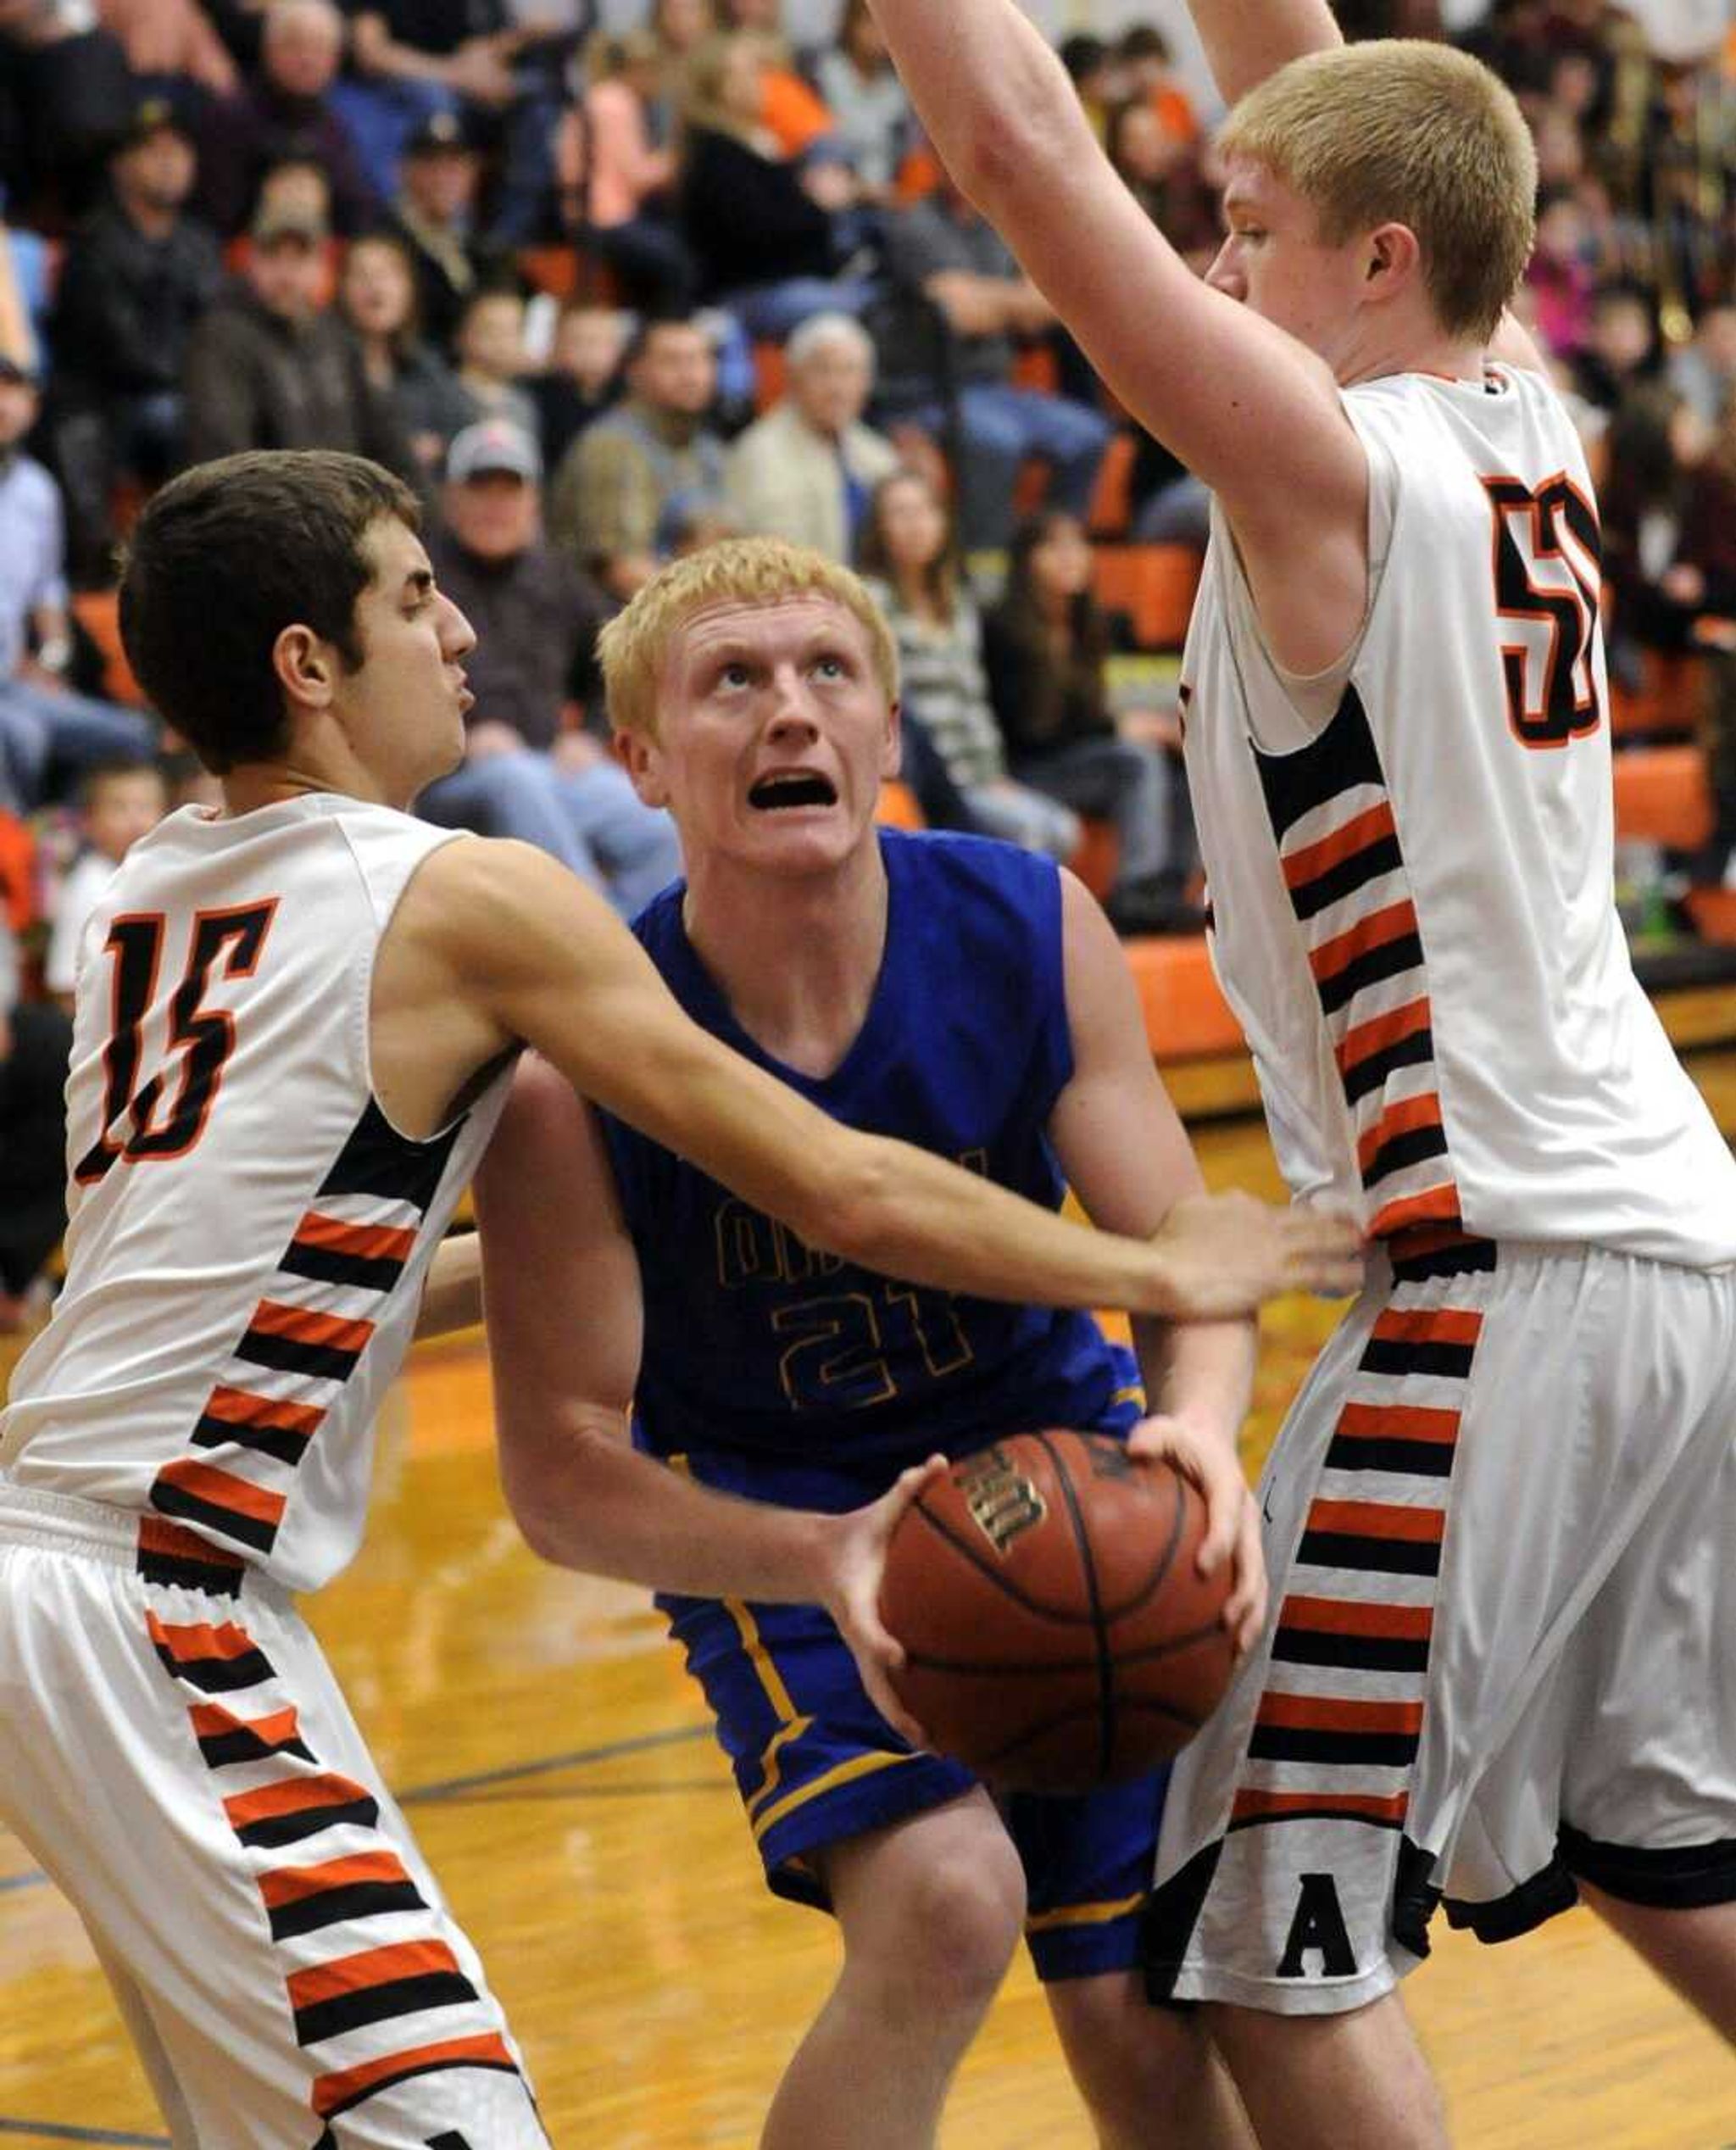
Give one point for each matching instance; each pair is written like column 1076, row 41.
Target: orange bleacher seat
column 1713, row 912
column 1666, row 700
column 897, row 807
column 1663, row 796
column 1112, row 502
column 770, row 374
column 1187, row 1017
column 98, row 612
column 560, row 271
column 1034, row 368
column 1154, row 585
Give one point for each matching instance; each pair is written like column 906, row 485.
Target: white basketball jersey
column 1414, row 911
column 249, row 1234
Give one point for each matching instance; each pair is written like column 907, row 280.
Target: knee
column 951, row 1934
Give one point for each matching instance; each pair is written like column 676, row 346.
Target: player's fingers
column 880, row 1695
column 1245, row 1612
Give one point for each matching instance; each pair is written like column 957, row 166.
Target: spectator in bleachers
column 135, row 279
column 1148, row 78
column 69, row 93
column 434, row 212
column 1621, row 348
column 172, row 50
column 790, row 111
column 285, row 112
column 532, row 770
column 765, row 231
column 43, row 724
column 1559, row 278
column 616, row 186
column 1045, row 648
column 626, row 477
column 678, row 27
column 490, row 345
column 1704, row 371
column 36, row 1044
column 118, row 802
column 872, row 123
column 807, row 470
column 943, row 247
column 376, row 297
column 910, row 559
column 1163, row 172
column 270, row 365
column 1653, row 443
column 582, row 377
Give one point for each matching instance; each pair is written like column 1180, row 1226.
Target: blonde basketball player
column 295, row 1022
column 1499, row 1663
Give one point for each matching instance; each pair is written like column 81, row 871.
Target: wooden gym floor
column 560, row 1775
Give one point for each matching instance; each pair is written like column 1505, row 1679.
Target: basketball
column 1058, row 1634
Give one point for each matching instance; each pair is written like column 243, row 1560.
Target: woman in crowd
column 376, row 295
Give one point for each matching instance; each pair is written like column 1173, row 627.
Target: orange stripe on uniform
column 170, row 1540
column 372, row 1967
column 1428, row 1325
column 292, row 1883
column 1376, row 931
column 301, row 1325
column 1435, row 1205
column 200, row 1639
column 370, row 1242
column 294, row 1795
column 211, row 1721
column 1403, row 1118
column 1379, row 1519
column 1397, row 1422
column 1429, row 1239
column 1380, row 1032
column 222, row 1489
column 332, row 2093
column 1338, row 1713
column 1357, row 835
column 1342, row 1616
column 1349, row 1805
column 236, row 1407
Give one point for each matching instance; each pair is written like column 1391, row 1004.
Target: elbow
column 854, row 1208
column 1018, row 145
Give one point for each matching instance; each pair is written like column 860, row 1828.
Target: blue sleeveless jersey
column 759, row 1347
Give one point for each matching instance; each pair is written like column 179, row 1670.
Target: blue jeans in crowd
column 42, row 725
column 1000, row 428
column 591, row 820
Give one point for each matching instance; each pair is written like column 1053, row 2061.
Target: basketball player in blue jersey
column 970, row 998
column 1497, row 1670
column 297, row 1018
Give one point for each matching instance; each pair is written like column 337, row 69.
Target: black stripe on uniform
column 1368, row 1074
column 1343, row 758
column 172, row 1499
column 397, row 1996
column 223, row 1749
column 337, row 1907
column 1308, row 898
column 1351, row 1750
column 282, row 1442
column 272, row 1830
column 218, row 1675
column 1372, row 965
column 1384, row 1556
column 1409, row 1147
column 216, row 1577
column 1394, row 1355
column 285, row 1355
column 1458, row 1260
column 1420, row 1458
column 377, row 1160
column 1361, row 1652
column 327, row 1266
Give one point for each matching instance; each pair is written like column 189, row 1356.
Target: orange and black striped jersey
column 249, row 1234
column 1413, row 891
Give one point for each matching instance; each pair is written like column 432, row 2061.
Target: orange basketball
column 1058, row 1633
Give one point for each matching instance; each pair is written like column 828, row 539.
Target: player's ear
column 1392, row 262
column 642, row 760
column 305, row 667
column 892, row 747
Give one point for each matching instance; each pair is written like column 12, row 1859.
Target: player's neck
column 798, row 958
column 1417, row 348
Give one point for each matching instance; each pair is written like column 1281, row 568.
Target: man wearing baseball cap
column 533, row 771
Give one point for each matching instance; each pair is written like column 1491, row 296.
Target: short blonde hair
column 635, row 646
column 1405, row 131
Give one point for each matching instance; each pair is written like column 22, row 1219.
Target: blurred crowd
column 604, row 292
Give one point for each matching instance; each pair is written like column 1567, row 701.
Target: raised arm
column 514, row 948
column 1247, row 40
column 1246, row 406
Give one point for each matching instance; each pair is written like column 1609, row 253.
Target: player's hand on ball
column 858, row 1562
column 1209, row 1462
column 1229, row 1253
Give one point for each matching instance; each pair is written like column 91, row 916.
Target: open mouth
column 786, row 788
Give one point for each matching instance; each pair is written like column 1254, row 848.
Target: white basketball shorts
column 178, row 1757
column 1500, row 1523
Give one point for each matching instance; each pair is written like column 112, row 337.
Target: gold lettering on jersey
column 1002, row 1501
column 753, row 1248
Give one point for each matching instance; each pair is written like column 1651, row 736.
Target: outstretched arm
column 1247, row 40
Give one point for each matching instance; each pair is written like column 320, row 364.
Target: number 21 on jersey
column 164, row 1114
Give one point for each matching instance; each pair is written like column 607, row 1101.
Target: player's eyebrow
column 419, row 582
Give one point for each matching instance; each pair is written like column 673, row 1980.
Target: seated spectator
column 490, row 345
column 1148, row 77
column 376, row 297
column 435, row 211
column 806, row 469
column 118, row 802
column 942, row 248
column 530, row 771
column 36, row 1044
column 1162, row 171
column 286, row 113
column 626, row 477
column 43, row 724
column 676, row 27
column 270, row 366
column 872, row 118
column 1044, row 647
column 1704, row 372
column 135, row 279
column 911, row 563
column 583, row 374
column 1560, row 276
column 765, row 232
column 1621, row 348
column 792, row 115
column 614, row 186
